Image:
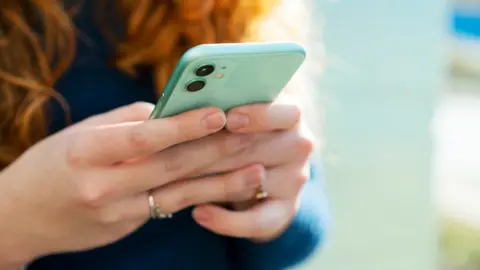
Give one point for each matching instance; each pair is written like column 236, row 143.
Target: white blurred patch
column 456, row 134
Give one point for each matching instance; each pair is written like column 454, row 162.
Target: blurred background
column 401, row 94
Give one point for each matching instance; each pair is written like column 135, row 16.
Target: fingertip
column 241, row 119
column 258, row 172
column 284, row 115
column 236, row 121
column 296, row 112
column 203, row 214
column 141, row 105
column 263, row 117
column 214, row 120
column 136, row 111
column 256, row 168
column 197, row 123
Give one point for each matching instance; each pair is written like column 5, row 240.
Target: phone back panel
column 245, row 73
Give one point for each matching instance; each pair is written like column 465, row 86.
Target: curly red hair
column 37, row 44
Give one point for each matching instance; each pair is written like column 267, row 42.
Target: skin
column 87, row 186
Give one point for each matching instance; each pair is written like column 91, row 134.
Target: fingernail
column 237, row 121
column 203, row 216
column 284, row 113
column 214, row 121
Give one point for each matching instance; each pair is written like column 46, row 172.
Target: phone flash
column 219, row 76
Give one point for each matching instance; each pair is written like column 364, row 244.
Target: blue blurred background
column 400, row 91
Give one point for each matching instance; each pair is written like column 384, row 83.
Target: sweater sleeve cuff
column 305, row 235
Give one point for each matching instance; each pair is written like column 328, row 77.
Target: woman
column 113, row 191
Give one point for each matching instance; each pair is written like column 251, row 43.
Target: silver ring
column 155, row 212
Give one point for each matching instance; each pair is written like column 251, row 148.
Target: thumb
column 138, row 111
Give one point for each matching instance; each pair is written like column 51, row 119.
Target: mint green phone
column 229, row 75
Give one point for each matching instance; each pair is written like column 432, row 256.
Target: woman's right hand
column 88, row 185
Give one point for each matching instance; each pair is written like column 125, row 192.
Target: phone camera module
column 204, row 70
column 196, row 86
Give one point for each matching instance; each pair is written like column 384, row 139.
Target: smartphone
column 229, row 75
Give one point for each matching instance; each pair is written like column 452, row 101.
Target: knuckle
column 238, row 142
column 185, row 201
column 138, row 138
column 139, row 109
column 170, row 203
column 253, row 150
column 193, row 192
column 241, row 187
column 230, row 188
column 301, row 179
column 247, row 153
column 218, row 145
column 91, row 195
column 304, row 145
column 182, row 131
column 173, row 162
column 109, row 217
column 74, row 155
column 223, row 144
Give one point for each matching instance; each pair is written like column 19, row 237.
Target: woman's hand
column 283, row 145
column 88, row 185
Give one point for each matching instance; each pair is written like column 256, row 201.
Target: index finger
column 110, row 144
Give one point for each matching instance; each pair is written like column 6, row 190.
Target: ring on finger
column 261, row 194
column 155, row 212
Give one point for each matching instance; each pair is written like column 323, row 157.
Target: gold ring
column 155, row 212
column 261, row 194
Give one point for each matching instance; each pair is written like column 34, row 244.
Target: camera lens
column 196, row 86
column 204, row 70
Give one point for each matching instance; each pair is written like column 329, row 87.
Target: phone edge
column 217, row 50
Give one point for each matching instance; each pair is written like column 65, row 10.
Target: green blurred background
column 401, row 97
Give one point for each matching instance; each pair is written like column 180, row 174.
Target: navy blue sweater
column 91, row 87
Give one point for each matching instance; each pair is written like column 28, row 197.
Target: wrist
column 14, row 245
column 11, row 266
column 13, row 254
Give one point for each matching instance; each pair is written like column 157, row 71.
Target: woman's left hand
column 283, row 146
